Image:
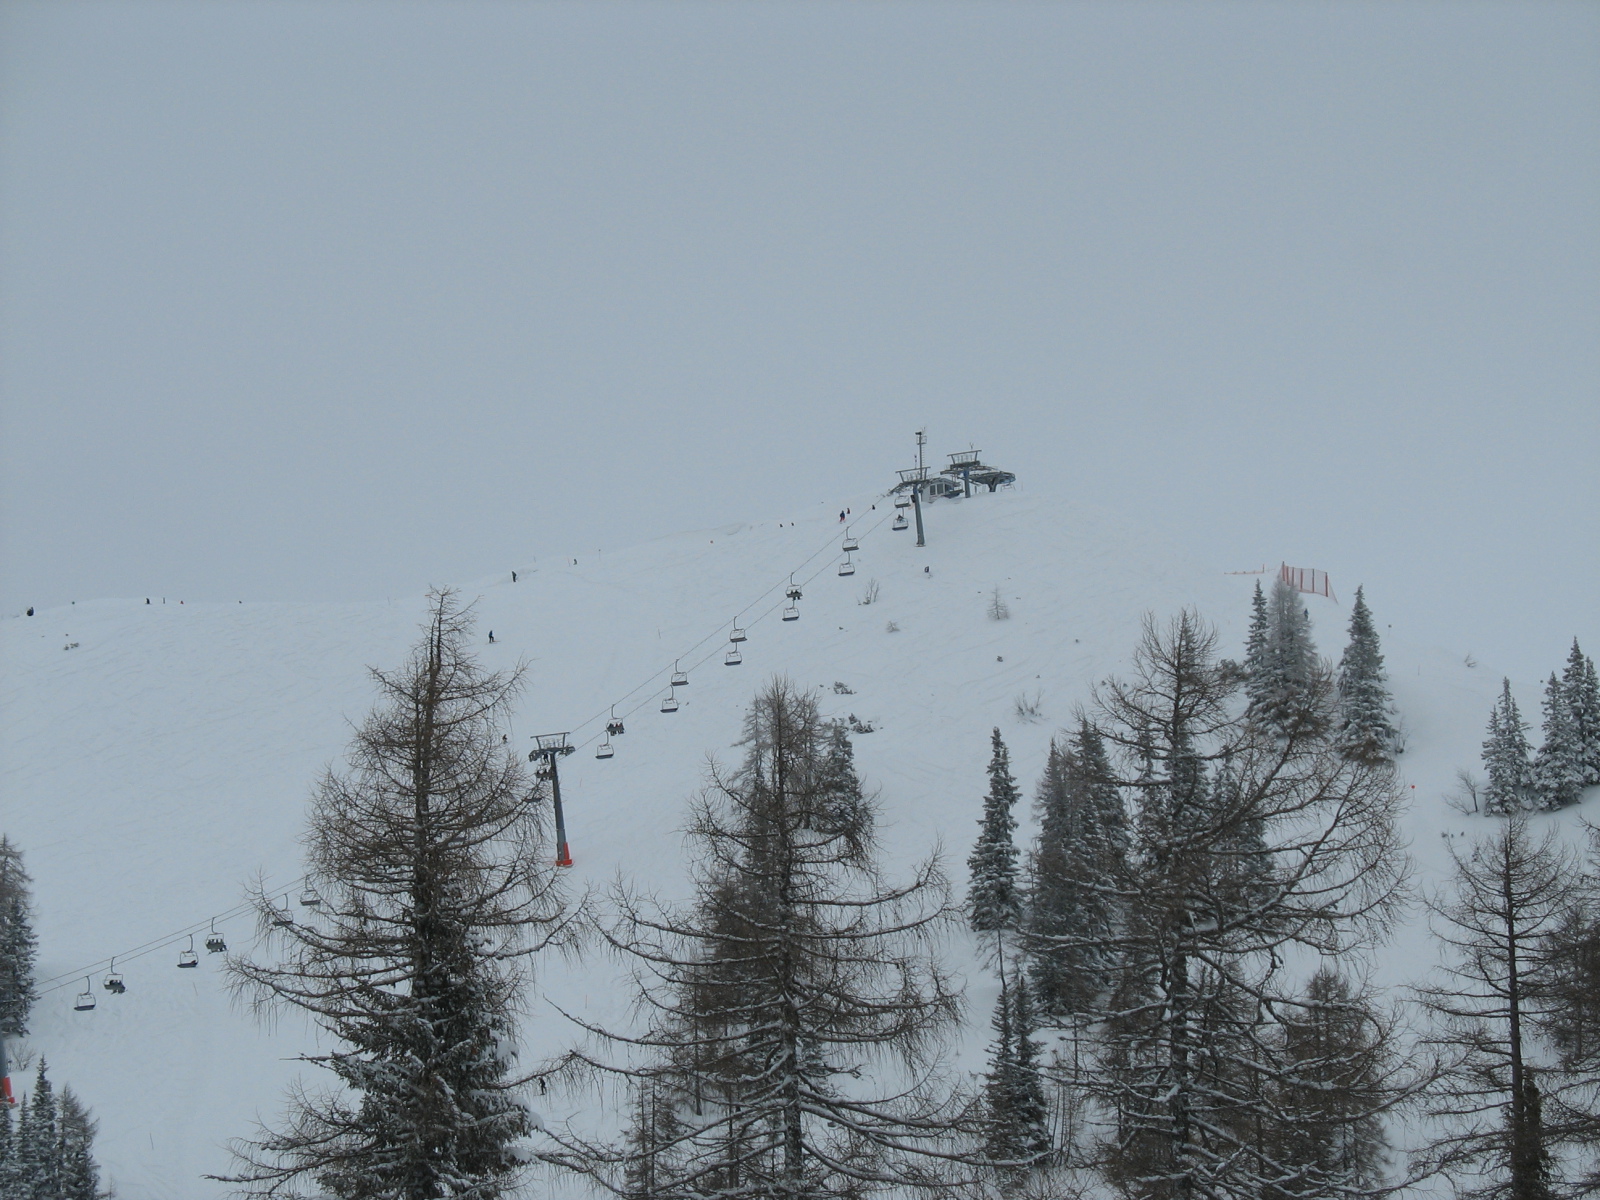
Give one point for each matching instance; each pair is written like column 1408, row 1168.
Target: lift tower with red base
column 548, row 748
column 6, row 1096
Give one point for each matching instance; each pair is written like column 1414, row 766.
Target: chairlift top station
column 966, row 469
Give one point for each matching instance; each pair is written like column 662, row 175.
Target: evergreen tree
column 436, row 886
column 1558, row 768
column 1073, row 902
column 1505, row 758
column 1255, row 642
column 1365, row 730
column 18, row 946
column 794, row 1014
column 1016, row 1118
column 39, row 1154
column 1590, row 706
column 1286, row 687
column 1031, row 1108
column 1583, row 699
column 839, row 780
column 80, row 1174
column 992, row 900
column 23, row 1167
column 14, row 880
column 9, row 1183
column 49, row 1155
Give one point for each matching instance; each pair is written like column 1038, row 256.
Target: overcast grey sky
column 333, row 300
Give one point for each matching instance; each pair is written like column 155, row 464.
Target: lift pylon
column 549, row 747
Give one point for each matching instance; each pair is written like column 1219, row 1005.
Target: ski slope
column 153, row 769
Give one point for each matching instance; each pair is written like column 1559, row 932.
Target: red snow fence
column 1307, row 579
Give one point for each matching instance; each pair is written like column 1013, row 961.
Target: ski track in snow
column 153, row 770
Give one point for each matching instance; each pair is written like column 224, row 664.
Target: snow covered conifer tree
column 18, row 946
column 1286, row 691
column 38, row 1155
column 50, row 1154
column 1558, row 768
column 1583, row 699
column 1073, row 897
column 838, row 772
column 1365, row 730
column 1255, row 642
column 9, row 1185
column 436, row 885
column 992, row 900
column 794, row 1012
column 1016, row 1132
column 1505, row 757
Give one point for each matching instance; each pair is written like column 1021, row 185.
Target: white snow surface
column 153, row 769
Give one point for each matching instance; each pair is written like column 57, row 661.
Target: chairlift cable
column 56, row 983
column 653, row 695
column 69, row 978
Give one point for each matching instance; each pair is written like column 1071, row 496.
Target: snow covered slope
column 166, row 758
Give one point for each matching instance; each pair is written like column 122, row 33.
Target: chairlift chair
column 791, row 613
column 732, row 658
column 214, row 942
column 188, row 958
column 604, row 750
column 903, row 502
column 113, row 981
column 737, row 634
column 794, row 589
column 679, row 678
column 847, row 567
column 282, row 918
column 900, row 523
column 309, row 898
column 670, row 703
column 85, row 1000
column 614, row 726
column 851, row 544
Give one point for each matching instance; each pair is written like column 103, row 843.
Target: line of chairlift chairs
column 732, row 657
column 189, row 957
column 283, row 917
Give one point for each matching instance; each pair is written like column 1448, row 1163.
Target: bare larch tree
column 793, row 1015
column 1250, row 846
column 435, row 887
column 1500, row 925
